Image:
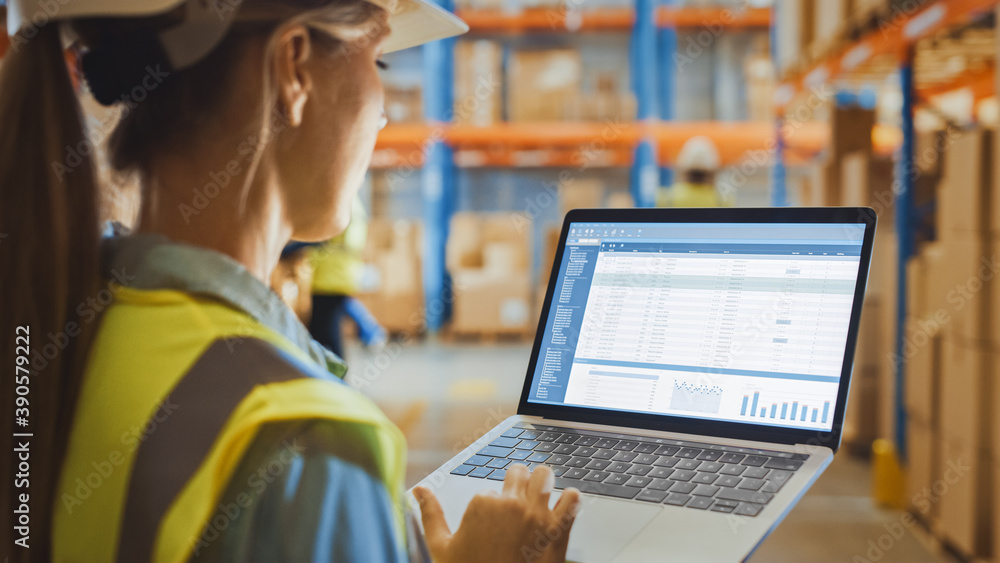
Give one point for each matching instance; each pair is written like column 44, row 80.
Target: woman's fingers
column 435, row 526
column 515, row 480
column 540, row 485
column 567, row 507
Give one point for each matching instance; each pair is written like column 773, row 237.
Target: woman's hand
column 515, row 525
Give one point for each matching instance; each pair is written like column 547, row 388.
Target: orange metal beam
column 606, row 144
column 548, row 19
column 672, row 16
column 541, row 135
column 894, row 38
column 608, row 19
column 981, row 82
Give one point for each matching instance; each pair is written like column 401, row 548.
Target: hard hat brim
column 415, row 22
column 412, row 22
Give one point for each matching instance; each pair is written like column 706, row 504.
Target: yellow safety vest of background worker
column 697, row 165
column 338, row 266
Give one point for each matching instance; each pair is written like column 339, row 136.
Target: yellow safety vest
column 176, row 389
column 337, row 264
column 685, row 194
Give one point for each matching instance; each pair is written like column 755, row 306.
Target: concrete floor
column 445, row 395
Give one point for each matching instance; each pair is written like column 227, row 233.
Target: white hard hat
column 698, row 153
column 412, row 22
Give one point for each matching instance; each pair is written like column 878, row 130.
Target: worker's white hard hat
column 698, row 153
column 412, row 22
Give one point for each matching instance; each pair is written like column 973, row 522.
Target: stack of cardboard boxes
column 547, row 85
column 851, row 175
column 489, row 259
column 952, row 352
column 404, row 104
column 478, row 82
column 391, row 287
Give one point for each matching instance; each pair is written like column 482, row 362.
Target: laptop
column 689, row 376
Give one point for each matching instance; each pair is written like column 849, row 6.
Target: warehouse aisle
column 446, row 395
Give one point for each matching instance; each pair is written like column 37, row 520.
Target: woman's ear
column 292, row 52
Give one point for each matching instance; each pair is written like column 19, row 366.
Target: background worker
column 337, row 267
column 697, row 165
column 228, row 431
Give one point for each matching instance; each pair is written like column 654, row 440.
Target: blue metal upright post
column 438, row 176
column 779, row 191
column 905, row 170
column 779, row 174
column 668, row 82
column 645, row 177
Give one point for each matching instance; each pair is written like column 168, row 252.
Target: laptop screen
column 738, row 322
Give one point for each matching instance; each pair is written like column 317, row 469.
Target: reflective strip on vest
column 169, row 457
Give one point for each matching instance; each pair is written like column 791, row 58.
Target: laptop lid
column 736, row 323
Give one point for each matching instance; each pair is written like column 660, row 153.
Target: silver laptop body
column 689, row 375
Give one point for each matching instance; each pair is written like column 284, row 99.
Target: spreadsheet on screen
column 738, row 322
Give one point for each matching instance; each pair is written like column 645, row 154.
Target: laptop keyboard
column 701, row 476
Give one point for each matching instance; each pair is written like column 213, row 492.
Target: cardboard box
column 795, row 32
column 966, row 410
column 956, row 286
column 861, row 420
column 922, row 353
column 400, row 313
column 404, row 105
column 929, row 152
column 813, row 187
column 620, row 200
column 866, row 181
column 867, row 352
column 478, row 82
column 485, row 302
column 392, row 287
column 964, row 491
column 582, row 193
column 850, row 130
column 923, row 467
column 830, row 19
column 490, row 263
column 540, row 82
column 963, row 204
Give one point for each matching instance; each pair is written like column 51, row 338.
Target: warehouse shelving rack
column 647, row 146
column 896, row 43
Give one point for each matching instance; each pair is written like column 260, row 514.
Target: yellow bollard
column 888, row 478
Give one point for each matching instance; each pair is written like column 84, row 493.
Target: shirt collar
column 154, row 262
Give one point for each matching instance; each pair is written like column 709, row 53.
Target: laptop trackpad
column 605, row 526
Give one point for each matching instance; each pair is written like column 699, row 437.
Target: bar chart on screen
column 803, row 408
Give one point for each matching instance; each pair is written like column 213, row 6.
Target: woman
column 181, row 411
